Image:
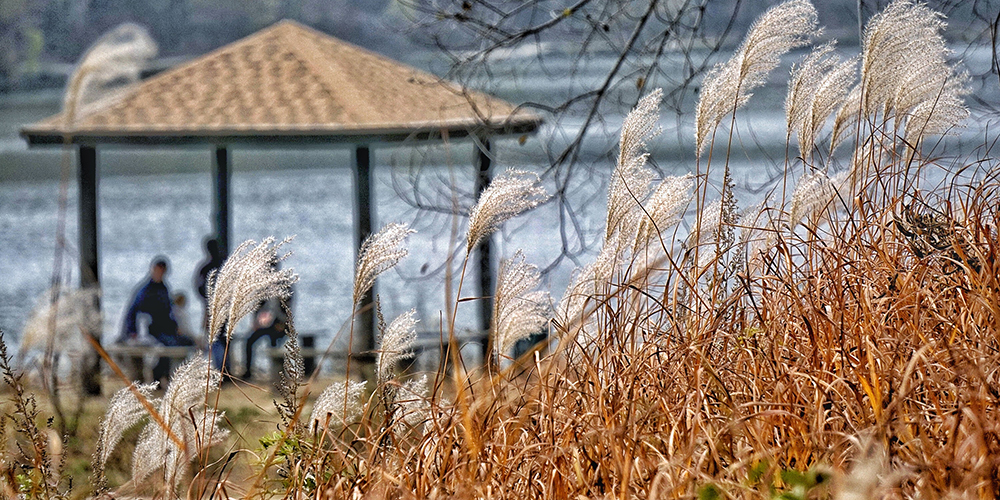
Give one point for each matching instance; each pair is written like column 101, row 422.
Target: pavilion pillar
column 364, row 326
column 485, row 248
column 90, row 276
column 221, row 176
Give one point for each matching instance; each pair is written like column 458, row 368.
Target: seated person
column 152, row 303
column 271, row 320
column 184, row 328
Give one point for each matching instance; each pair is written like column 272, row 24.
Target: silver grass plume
column 664, row 208
column 124, row 411
column 813, row 193
column 905, row 72
column 119, row 55
column 846, row 118
column 935, row 117
column 587, row 283
column 184, row 413
column 75, row 311
column 816, row 88
column 380, row 252
column 831, row 94
column 900, row 41
column 870, row 473
column 630, row 182
column 413, row 408
column 247, row 278
column 396, row 345
column 802, row 83
column 508, row 195
column 329, row 406
column 518, row 309
column 728, row 86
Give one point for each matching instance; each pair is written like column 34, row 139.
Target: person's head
column 158, row 269
column 212, row 247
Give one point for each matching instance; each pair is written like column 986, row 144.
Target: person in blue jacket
column 151, row 306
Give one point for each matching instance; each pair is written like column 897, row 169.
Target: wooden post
column 485, row 248
column 221, row 175
column 364, row 326
column 90, row 276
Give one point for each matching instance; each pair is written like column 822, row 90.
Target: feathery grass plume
column 802, row 83
column 413, row 406
column 396, row 344
column 813, row 193
column 816, row 88
column 869, row 474
column 248, row 277
column 846, row 118
column 641, row 125
column 905, row 72
column 117, row 57
column 728, row 86
column 630, row 182
column 124, row 411
column 379, row 253
column 829, row 96
column 900, row 43
column 75, row 311
column 184, row 413
column 329, row 405
column 587, row 283
column 664, row 208
column 935, row 117
column 518, row 311
column 508, row 195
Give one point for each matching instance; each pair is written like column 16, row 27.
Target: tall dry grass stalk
column 379, row 252
column 519, row 310
column 509, row 194
column 107, row 69
column 728, row 86
column 184, row 428
column 328, row 408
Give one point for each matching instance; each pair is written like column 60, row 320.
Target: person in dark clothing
column 270, row 320
column 151, row 310
column 213, row 262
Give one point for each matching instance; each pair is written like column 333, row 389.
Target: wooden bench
column 132, row 358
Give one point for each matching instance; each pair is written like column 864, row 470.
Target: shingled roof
column 285, row 83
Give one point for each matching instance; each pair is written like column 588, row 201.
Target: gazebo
column 284, row 86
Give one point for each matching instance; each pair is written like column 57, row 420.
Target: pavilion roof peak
column 288, row 81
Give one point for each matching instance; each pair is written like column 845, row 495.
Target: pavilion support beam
column 221, row 177
column 364, row 214
column 90, row 276
column 483, row 164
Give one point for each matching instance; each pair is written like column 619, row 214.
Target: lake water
column 158, row 202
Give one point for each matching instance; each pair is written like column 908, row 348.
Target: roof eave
column 42, row 137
